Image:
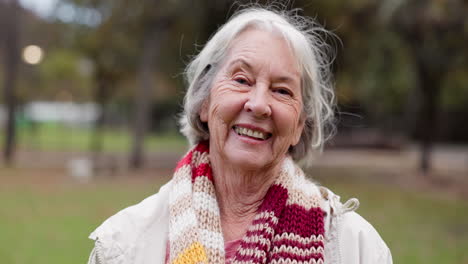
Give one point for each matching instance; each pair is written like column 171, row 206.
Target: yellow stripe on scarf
column 194, row 254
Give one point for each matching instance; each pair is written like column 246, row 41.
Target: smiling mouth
column 251, row 133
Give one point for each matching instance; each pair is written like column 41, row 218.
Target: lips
column 255, row 133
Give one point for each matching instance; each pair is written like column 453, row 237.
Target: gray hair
column 305, row 37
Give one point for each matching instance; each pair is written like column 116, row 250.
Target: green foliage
column 455, row 90
column 383, row 44
column 116, row 44
column 61, row 64
column 385, row 76
column 63, row 72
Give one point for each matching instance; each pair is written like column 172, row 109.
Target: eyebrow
column 284, row 79
column 242, row 62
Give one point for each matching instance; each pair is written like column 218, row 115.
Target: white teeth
column 248, row 132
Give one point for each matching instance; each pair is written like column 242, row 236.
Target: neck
column 239, row 192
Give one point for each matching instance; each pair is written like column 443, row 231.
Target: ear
column 204, row 111
column 298, row 131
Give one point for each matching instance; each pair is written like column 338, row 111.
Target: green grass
column 418, row 227
column 56, row 137
column 49, row 222
column 41, row 224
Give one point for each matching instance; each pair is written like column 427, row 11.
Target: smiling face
column 255, row 104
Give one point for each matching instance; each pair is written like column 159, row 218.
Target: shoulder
column 148, row 210
column 354, row 225
column 119, row 232
column 360, row 240
column 351, row 237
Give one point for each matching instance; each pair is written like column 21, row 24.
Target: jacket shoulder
column 121, row 230
column 361, row 242
column 351, row 238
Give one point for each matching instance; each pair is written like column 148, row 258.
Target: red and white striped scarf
column 288, row 227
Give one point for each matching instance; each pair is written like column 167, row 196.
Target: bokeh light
column 32, row 54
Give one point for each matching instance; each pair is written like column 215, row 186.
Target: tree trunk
column 101, row 98
column 429, row 83
column 143, row 96
column 11, row 55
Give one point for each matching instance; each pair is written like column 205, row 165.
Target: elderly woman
column 259, row 101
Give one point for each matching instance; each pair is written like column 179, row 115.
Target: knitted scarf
column 288, row 226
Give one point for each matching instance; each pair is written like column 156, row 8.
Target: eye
column 241, row 80
column 283, row 91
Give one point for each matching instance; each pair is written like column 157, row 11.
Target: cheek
column 225, row 106
column 288, row 119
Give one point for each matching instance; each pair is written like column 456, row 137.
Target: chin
column 248, row 161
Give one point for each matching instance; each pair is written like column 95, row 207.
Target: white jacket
column 139, row 233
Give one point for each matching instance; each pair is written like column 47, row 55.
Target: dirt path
column 449, row 174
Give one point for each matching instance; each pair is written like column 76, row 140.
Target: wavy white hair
column 313, row 54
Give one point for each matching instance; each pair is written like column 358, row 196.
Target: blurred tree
column 9, row 21
column 108, row 48
column 399, row 53
column 129, row 42
column 136, row 48
column 156, row 22
column 435, row 33
column 63, row 71
column 157, row 27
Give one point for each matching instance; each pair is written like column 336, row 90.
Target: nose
column 258, row 103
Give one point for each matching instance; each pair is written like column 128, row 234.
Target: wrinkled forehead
column 277, row 30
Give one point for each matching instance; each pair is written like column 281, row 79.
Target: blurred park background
column 90, row 92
